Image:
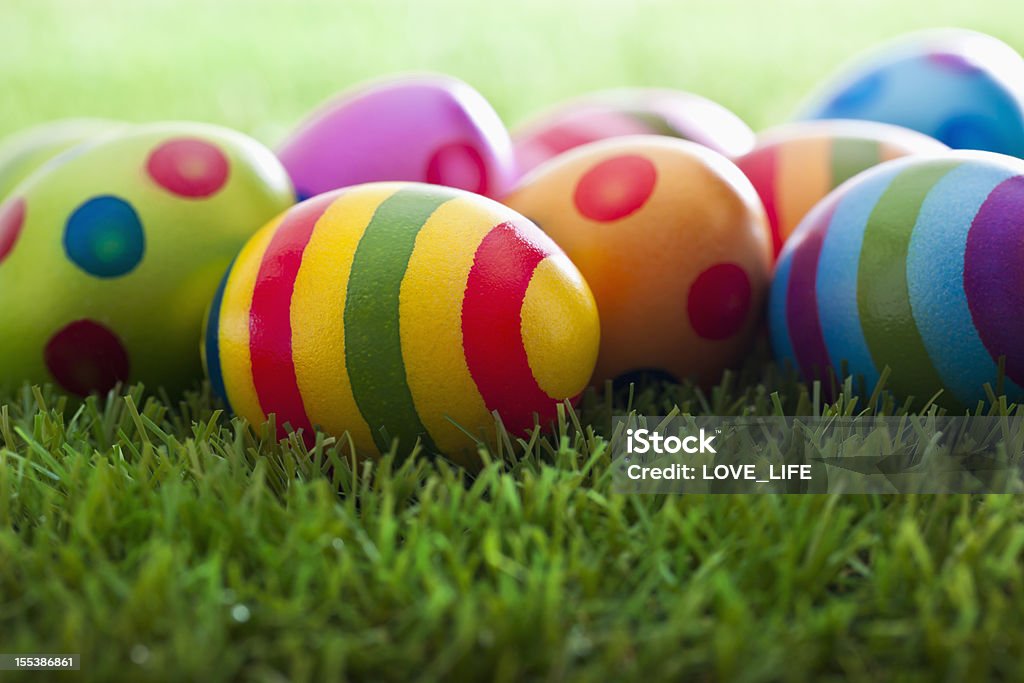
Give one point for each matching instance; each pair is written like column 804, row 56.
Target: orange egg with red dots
column 674, row 243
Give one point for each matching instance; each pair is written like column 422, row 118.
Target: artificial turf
column 163, row 540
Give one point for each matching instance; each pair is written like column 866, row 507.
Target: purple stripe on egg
column 778, row 321
column 994, row 277
column 954, row 62
column 802, row 300
column 935, row 279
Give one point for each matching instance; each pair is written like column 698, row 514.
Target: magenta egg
column 431, row 128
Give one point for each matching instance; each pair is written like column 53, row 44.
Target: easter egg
column 674, row 243
column 914, row 265
column 401, row 310
column 24, row 152
column 431, row 129
column 962, row 88
column 630, row 111
column 109, row 259
column 794, row 166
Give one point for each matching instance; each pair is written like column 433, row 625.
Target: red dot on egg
column 86, row 357
column 12, row 220
column 615, row 188
column 719, row 301
column 458, row 165
column 189, row 167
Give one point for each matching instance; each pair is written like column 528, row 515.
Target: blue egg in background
column 961, row 87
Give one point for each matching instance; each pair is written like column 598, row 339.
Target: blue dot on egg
column 970, row 131
column 104, row 237
column 857, row 97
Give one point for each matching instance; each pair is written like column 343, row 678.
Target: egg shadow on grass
column 643, row 378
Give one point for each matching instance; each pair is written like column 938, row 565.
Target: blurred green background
column 260, row 65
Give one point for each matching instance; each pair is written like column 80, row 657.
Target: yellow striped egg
column 401, row 311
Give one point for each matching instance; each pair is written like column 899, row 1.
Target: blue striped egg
column 915, row 265
column 963, row 88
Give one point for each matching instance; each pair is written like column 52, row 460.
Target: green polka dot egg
column 110, row 256
column 26, row 151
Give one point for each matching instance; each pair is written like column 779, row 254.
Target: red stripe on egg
column 761, row 167
column 492, row 336
column 270, row 326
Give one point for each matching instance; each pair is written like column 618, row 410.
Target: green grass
column 169, row 542
column 165, row 541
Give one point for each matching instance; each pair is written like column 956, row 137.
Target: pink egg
column 431, row 128
column 630, row 111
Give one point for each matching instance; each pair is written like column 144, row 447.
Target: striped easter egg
column 629, row 111
column 794, row 166
column 915, row 265
column 961, row 87
column 401, row 311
